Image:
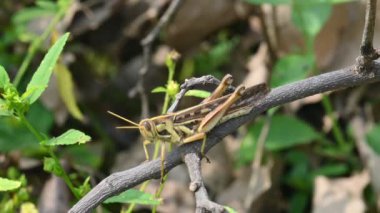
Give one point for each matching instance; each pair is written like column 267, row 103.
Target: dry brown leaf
column 341, row 194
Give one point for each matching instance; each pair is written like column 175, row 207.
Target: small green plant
column 14, row 107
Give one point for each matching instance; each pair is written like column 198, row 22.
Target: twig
column 204, row 82
column 121, row 181
column 203, row 203
column 192, row 159
column 147, row 41
column 252, row 193
column 271, row 40
column 368, row 53
column 147, row 49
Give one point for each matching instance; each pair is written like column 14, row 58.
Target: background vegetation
column 56, row 87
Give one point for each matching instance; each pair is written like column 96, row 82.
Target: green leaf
column 298, row 202
column 41, row 118
column 159, row 89
column 248, row 147
column 88, row 156
column 4, row 78
column 134, row 196
column 52, row 166
column 27, row 14
column 337, row 169
column 310, row 17
column 48, row 5
column 84, row 188
column 66, row 90
column 72, row 136
column 209, row 61
column 41, row 77
column 373, row 138
column 274, row 2
column 28, row 207
column 15, row 136
column 4, row 109
column 7, row 184
column 197, row 93
column 230, row 210
column 285, row 132
column 291, row 68
column 299, row 176
column 326, row 1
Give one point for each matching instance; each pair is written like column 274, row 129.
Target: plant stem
column 41, row 138
column 36, row 43
column 337, row 132
column 145, row 184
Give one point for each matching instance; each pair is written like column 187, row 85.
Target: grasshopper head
column 147, row 129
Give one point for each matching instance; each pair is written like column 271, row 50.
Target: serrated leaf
column 52, row 166
column 373, row 139
column 4, row 78
column 291, row 68
column 41, row 77
column 72, row 136
column 66, row 90
column 134, row 196
column 7, row 184
column 159, row 89
column 197, row 93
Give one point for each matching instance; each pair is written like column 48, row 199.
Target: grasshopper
column 193, row 124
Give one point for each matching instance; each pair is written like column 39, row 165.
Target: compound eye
column 147, row 126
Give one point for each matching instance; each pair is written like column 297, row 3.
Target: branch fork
column 367, row 53
column 189, row 153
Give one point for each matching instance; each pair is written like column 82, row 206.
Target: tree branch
column 368, row 53
column 147, row 51
column 121, row 181
column 203, row 203
column 205, row 82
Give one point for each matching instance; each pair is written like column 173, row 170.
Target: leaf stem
column 157, row 146
column 41, row 138
column 337, row 132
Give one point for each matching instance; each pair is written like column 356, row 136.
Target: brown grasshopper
column 192, row 124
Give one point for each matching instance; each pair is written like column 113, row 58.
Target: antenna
column 127, row 127
column 124, row 119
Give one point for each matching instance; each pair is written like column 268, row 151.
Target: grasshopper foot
column 205, row 157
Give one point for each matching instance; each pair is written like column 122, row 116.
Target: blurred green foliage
column 134, row 196
column 19, row 133
column 286, row 132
